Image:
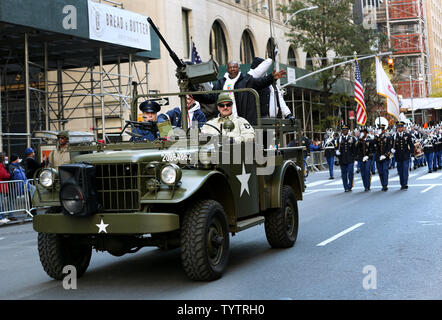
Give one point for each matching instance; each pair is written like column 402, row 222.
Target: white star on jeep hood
column 244, row 179
column 102, row 227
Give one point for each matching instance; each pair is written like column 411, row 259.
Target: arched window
column 291, row 57
column 270, row 48
column 247, row 51
column 218, row 44
column 309, row 62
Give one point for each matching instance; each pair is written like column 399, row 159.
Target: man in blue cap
column 402, row 148
column 149, row 130
column 30, row 164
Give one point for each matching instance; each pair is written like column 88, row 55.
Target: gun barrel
column 172, row 54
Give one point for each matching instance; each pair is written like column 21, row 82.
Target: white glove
column 392, row 150
column 382, row 157
column 338, row 153
column 365, row 159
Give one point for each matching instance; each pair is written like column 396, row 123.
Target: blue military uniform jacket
column 364, row 147
column 347, row 148
column 403, row 145
column 146, row 135
column 382, row 146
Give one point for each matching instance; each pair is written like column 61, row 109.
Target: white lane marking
column 316, row 183
column 430, row 176
column 309, row 192
column 340, row 234
column 430, row 223
column 2, row 238
column 428, row 189
column 396, row 178
column 339, row 182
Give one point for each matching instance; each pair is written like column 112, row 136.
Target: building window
column 246, row 49
column 186, row 32
column 218, row 44
column 291, row 57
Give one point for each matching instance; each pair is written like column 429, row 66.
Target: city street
column 355, row 245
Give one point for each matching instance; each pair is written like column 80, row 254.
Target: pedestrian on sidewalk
column 4, row 176
column 30, row 164
column 18, row 173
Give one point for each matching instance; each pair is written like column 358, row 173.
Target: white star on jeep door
column 244, row 179
column 102, row 227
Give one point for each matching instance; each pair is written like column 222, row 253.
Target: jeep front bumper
column 122, row 223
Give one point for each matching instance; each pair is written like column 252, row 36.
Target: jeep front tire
column 205, row 241
column 57, row 251
column 281, row 225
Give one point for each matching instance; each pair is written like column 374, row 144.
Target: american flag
column 195, row 56
column 361, row 110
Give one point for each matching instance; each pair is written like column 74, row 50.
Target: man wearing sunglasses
column 242, row 130
column 61, row 154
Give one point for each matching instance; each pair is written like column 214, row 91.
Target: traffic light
column 390, row 65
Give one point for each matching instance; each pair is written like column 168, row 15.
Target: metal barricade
column 318, row 160
column 15, row 197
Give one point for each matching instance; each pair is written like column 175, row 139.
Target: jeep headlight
column 170, row 174
column 47, row 177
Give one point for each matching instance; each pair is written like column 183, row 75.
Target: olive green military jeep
column 120, row 197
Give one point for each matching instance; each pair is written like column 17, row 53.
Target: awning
column 421, row 104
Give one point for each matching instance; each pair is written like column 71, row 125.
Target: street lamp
column 300, row 10
column 285, row 23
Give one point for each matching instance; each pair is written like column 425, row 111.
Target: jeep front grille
column 118, row 187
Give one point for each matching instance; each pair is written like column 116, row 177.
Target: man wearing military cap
column 61, row 154
column 242, row 131
column 382, row 146
column 346, row 151
column 149, row 131
column 402, row 148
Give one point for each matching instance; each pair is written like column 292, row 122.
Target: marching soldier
column 402, row 148
column 365, row 150
column 382, row 146
column 329, row 145
column 346, row 151
column 428, row 145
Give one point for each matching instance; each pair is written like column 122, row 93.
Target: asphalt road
column 356, row 245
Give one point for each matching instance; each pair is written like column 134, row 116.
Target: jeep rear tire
column 205, row 241
column 57, row 251
column 281, row 225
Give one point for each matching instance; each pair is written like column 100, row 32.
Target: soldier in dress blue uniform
column 402, row 148
column 149, row 131
column 382, row 146
column 365, row 150
column 346, row 151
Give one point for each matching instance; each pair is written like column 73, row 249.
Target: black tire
column 281, row 225
column 205, row 241
column 56, row 252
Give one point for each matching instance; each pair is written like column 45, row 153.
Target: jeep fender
column 202, row 184
column 287, row 174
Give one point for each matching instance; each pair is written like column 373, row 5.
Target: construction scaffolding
column 53, row 80
column 404, row 22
